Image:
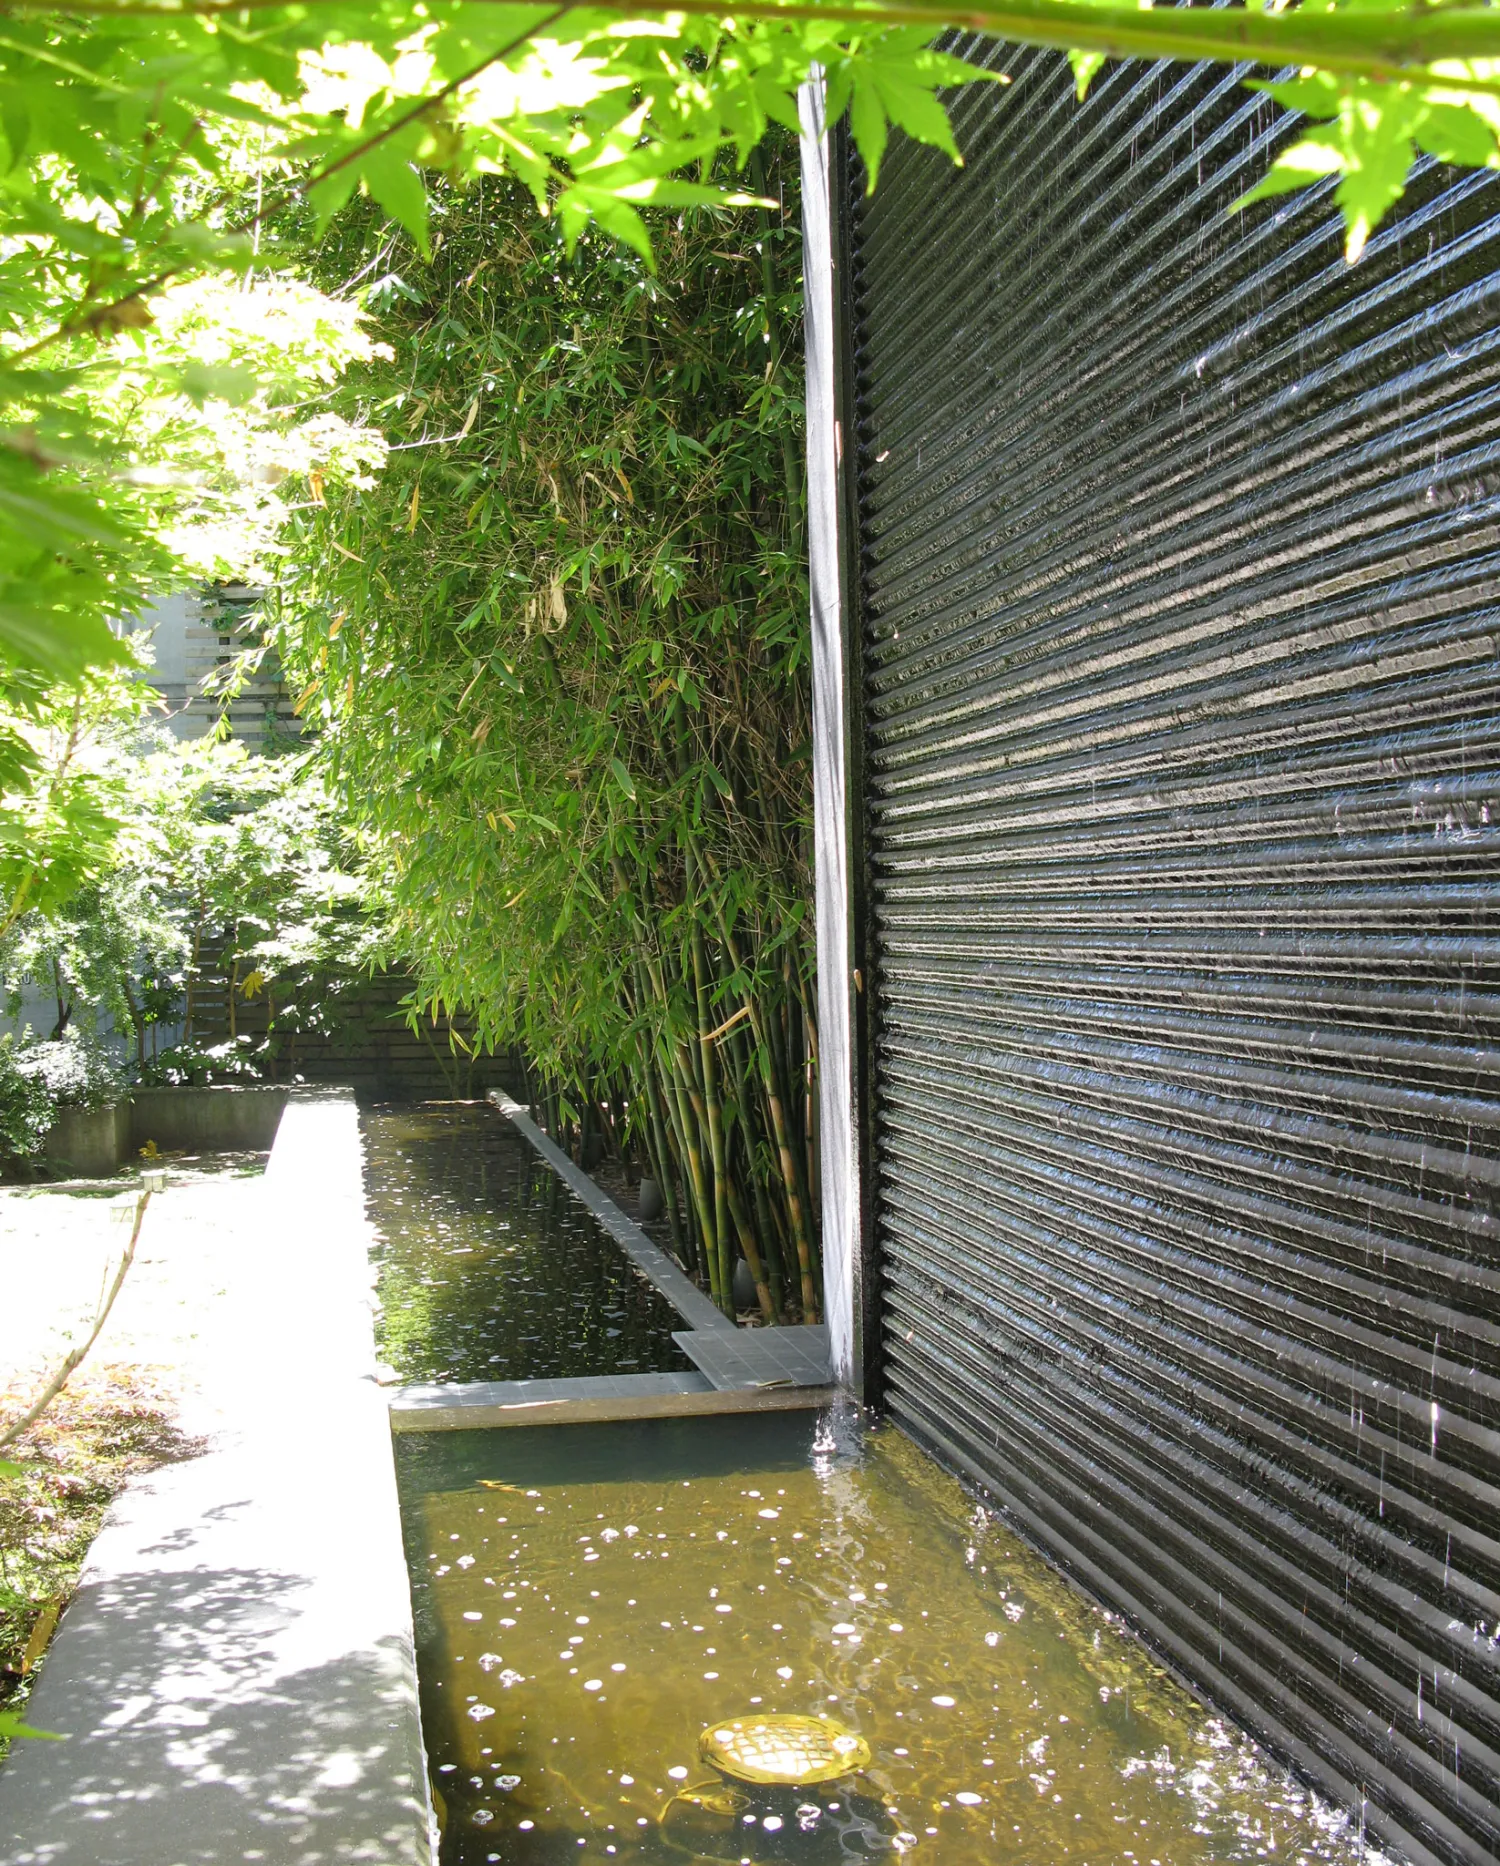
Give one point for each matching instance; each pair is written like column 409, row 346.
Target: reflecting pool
column 590, row 1599
column 487, row 1267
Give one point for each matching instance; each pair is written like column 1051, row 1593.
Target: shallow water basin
column 487, row 1266
column 590, row 1599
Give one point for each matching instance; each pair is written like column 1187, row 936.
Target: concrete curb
column 235, row 1675
column 466, row 1415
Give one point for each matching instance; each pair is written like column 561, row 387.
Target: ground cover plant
column 70, row 1465
column 558, row 663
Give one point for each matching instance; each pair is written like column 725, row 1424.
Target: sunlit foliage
column 558, row 657
column 147, row 142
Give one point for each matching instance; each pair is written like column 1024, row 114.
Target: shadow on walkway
column 206, row 1745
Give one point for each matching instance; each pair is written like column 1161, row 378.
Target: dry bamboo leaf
column 41, row 1633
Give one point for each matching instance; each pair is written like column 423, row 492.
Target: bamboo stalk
column 767, row 1289
column 715, row 1124
column 662, row 1161
column 789, row 1165
column 689, row 1154
column 682, row 1095
column 752, row 1255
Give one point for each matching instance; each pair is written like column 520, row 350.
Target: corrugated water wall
column 1176, row 591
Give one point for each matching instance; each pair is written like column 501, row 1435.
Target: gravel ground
column 60, row 1243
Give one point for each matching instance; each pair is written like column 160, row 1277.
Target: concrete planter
column 207, row 1120
column 89, row 1143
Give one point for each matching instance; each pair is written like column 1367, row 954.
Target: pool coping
column 236, row 1673
column 422, row 1410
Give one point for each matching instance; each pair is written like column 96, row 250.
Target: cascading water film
column 1174, row 571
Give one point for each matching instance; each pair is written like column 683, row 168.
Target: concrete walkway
column 235, row 1675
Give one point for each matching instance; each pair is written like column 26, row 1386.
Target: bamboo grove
column 558, row 658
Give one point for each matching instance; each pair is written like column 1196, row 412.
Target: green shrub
column 26, row 1108
column 191, row 1065
column 73, row 1071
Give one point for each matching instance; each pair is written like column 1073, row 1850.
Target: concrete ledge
column 425, row 1413
column 91, row 1142
column 438, row 1394
column 225, row 1119
column 655, row 1265
column 95, row 1142
column 760, row 1357
column 235, row 1675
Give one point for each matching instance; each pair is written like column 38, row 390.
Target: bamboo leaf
column 12, row 1725
column 1086, row 67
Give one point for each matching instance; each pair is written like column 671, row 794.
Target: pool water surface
column 487, row 1267
column 589, row 1599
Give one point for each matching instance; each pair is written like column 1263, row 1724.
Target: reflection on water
column 488, row 1267
column 590, row 1598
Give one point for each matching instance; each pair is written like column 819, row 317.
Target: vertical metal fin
column 830, row 795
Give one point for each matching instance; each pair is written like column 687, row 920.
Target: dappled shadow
column 194, row 1736
column 188, row 1535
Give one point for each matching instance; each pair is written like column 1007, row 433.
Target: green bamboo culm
column 557, row 656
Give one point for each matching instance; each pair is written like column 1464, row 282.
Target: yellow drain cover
column 795, row 1750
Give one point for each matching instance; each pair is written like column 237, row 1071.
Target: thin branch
column 75, row 1356
column 1399, row 46
column 421, row 108
column 100, row 314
